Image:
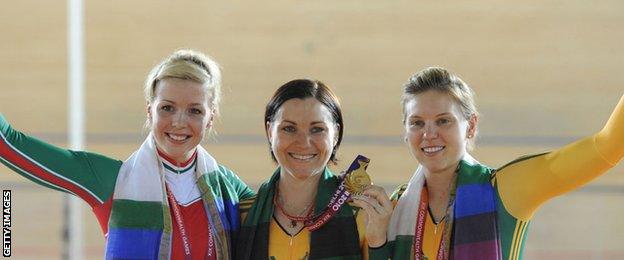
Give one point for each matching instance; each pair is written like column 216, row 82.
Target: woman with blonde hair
column 457, row 208
column 171, row 199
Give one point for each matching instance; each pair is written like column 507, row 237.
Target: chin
column 432, row 166
column 177, row 153
column 303, row 174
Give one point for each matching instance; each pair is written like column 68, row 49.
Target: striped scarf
column 474, row 231
column 337, row 239
column 140, row 224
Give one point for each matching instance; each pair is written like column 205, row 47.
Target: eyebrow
column 192, row 104
column 294, row 123
column 438, row 115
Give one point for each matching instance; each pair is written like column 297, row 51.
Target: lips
column 177, row 138
column 431, row 150
column 302, row 157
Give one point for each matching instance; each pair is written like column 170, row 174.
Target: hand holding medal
column 372, row 199
column 356, row 186
column 354, row 181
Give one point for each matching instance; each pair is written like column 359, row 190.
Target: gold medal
column 356, row 178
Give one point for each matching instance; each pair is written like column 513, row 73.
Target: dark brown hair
column 302, row 89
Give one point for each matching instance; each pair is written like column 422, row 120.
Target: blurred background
column 545, row 72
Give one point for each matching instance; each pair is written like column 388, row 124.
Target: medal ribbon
column 185, row 240
column 420, row 228
column 340, row 197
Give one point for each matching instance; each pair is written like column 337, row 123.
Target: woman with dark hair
column 171, row 199
column 291, row 218
column 457, row 208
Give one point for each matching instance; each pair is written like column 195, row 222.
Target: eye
column 196, row 111
column 443, row 121
column 167, row 108
column 317, row 129
column 417, row 123
column 289, row 129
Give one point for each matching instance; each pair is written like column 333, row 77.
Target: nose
column 431, row 132
column 178, row 119
column 303, row 139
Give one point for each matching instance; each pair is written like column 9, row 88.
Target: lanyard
column 420, row 228
column 342, row 194
column 185, row 240
column 340, row 197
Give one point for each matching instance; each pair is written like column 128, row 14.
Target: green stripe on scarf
column 402, row 247
column 337, row 239
column 473, row 174
column 222, row 237
column 136, row 214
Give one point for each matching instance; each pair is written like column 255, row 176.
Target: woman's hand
column 376, row 203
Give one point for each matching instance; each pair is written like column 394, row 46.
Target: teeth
column 432, row 149
column 177, row 137
column 302, row 157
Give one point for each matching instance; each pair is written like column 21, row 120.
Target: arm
column 242, row 190
column 87, row 175
column 527, row 183
column 385, row 251
column 372, row 253
column 377, row 208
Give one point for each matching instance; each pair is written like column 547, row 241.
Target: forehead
column 303, row 111
column 180, row 90
column 431, row 103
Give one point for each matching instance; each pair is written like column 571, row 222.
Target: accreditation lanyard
column 340, row 197
column 185, row 240
column 419, row 232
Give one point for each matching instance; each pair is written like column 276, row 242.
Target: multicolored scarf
column 140, row 222
column 337, row 239
column 474, row 231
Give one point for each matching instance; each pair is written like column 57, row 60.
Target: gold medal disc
column 357, row 180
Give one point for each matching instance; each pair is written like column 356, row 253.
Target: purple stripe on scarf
column 481, row 251
column 476, row 228
column 472, row 199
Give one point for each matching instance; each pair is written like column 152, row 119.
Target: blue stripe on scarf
column 472, row 199
column 125, row 243
column 230, row 216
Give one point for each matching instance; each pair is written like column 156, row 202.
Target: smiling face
column 179, row 116
column 302, row 135
column 436, row 131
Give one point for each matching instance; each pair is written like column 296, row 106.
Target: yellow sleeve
column 610, row 140
column 527, row 183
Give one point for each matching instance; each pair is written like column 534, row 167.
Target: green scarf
column 337, row 239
